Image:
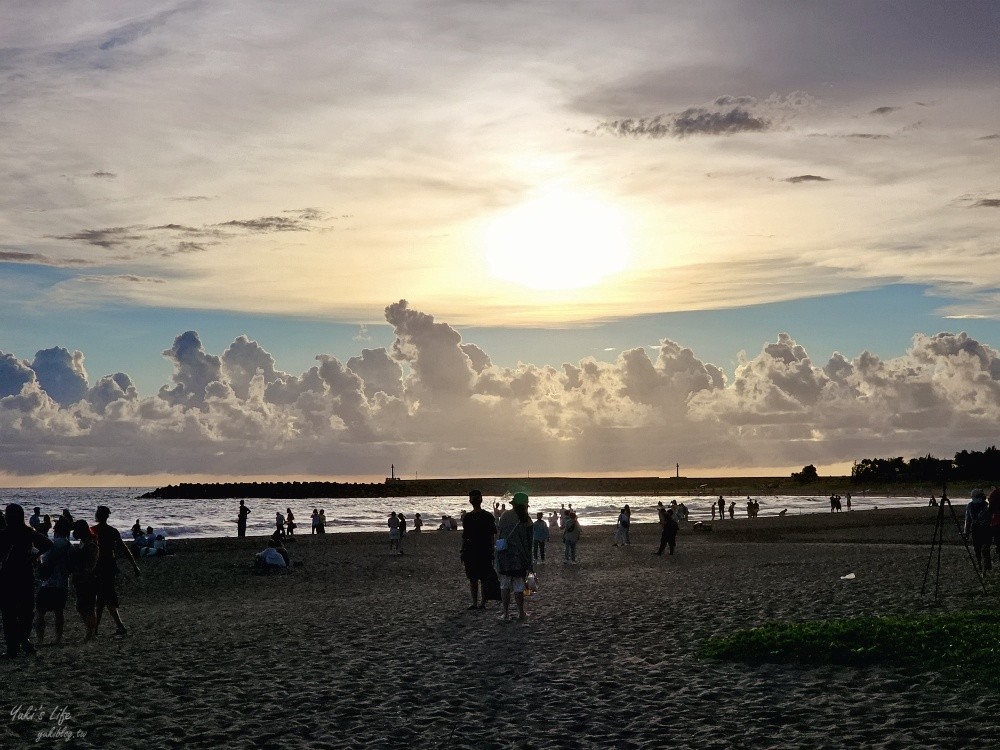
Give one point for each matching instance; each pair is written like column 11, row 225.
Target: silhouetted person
column 289, row 522
column 110, row 546
column 241, row 520
column 668, row 531
column 722, row 508
column 17, row 579
column 54, row 575
column 479, row 530
column 732, row 510
column 977, row 527
column 83, row 563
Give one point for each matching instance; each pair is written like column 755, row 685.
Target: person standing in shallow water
column 241, row 520
column 514, row 560
column 110, row 546
column 17, row 579
column 479, row 530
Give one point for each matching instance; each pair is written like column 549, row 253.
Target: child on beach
column 418, row 522
column 393, row 524
column 571, row 535
column 539, row 535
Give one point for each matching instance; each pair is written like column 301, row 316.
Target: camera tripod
column 938, row 542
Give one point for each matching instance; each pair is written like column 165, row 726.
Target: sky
column 491, row 238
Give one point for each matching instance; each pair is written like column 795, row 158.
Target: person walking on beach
column 628, row 524
column 571, row 535
column 668, row 532
column 18, row 543
column 539, row 536
column 289, row 522
column 514, row 558
column 279, row 524
column 479, row 530
column 620, row 528
column 51, row 597
column 83, row 563
column 722, row 508
column 978, row 529
column 110, row 546
column 241, row 520
column 393, row 524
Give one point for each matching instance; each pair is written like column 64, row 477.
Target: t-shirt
column 108, row 540
column 517, row 556
column 478, row 530
column 540, row 532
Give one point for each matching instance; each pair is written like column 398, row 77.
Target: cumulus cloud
column 61, row 374
column 435, row 401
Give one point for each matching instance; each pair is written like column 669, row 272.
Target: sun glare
column 560, row 239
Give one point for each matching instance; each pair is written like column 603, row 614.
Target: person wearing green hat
column 514, row 554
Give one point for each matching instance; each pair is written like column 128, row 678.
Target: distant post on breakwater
column 392, row 472
column 678, row 471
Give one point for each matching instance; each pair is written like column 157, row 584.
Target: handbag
column 531, row 583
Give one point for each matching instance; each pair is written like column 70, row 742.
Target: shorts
column 514, row 583
column 86, row 598
column 104, row 588
column 50, row 599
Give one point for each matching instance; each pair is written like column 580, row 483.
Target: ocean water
column 179, row 519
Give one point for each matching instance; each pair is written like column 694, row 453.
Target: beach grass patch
column 952, row 643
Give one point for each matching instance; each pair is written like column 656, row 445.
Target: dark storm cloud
column 267, row 224
column 111, row 237
column 692, row 121
column 15, row 256
column 806, row 178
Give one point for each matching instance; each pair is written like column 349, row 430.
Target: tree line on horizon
column 965, row 466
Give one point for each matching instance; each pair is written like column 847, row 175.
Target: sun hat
column 519, row 499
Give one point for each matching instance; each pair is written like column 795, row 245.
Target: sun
column 559, row 239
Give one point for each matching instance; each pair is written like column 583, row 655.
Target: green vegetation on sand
column 962, row 644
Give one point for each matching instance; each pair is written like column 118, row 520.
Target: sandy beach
column 361, row 648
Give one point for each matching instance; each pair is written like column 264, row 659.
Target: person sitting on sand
column 393, row 524
column 272, row 558
column 783, row 512
column 445, row 525
column 452, row 523
column 51, row 597
column 514, row 560
column 479, row 530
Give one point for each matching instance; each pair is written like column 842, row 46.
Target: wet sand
column 360, row 648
